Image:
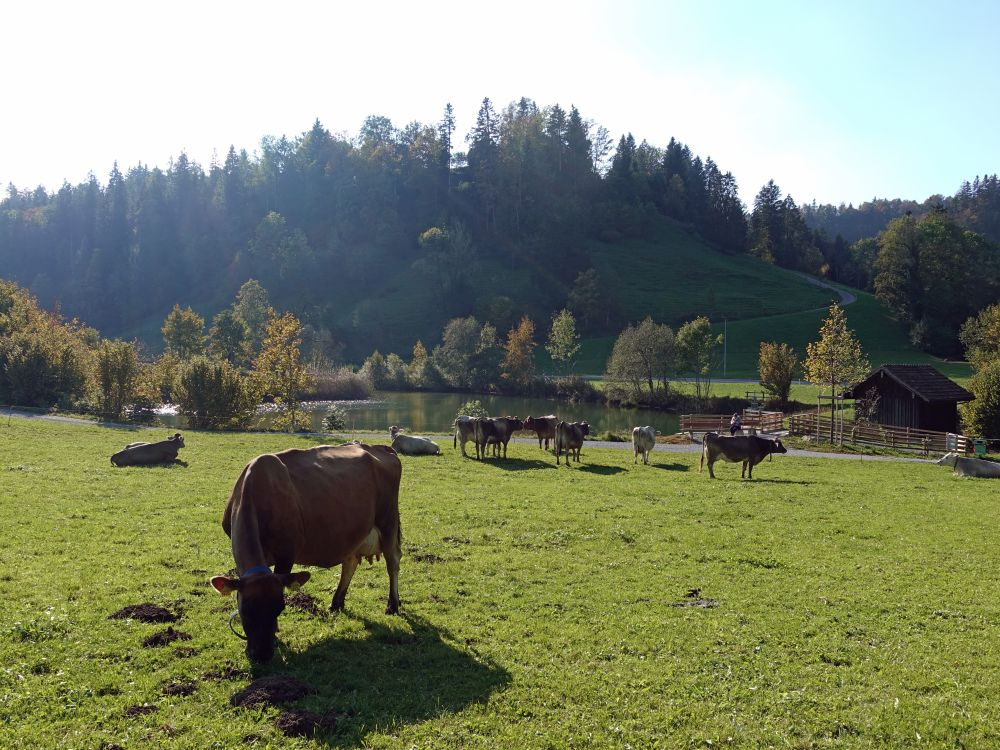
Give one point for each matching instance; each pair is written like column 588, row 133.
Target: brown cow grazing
column 544, row 427
column 322, row 506
column 149, row 454
column 496, row 431
column 749, row 450
column 569, row 438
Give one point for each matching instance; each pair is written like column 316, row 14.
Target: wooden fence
column 899, row 438
column 764, row 421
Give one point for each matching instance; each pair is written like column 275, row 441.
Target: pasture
column 826, row 603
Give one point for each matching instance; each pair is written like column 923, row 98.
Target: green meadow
column 847, row 604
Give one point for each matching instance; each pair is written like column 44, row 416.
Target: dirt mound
column 430, row 557
column 146, row 612
column 305, row 723
column 272, row 691
column 179, row 688
column 185, row 652
column 164, row 637
column 227, row 673
column 142, row 710
column 695, row 599
column 303, row 603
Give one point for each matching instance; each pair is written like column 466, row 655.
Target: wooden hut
column 916, row 396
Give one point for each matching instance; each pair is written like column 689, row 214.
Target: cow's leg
column 711, row 471
column 392, row 556
column 347, row 569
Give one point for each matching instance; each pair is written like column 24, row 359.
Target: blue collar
column 255, row 570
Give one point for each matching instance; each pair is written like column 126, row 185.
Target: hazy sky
column 836, row 101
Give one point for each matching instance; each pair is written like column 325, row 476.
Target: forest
column 321, row 219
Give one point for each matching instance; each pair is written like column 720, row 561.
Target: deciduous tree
column 279, row 368
column 184, row 333
column 776, row 364
column 836, row 360
column 564, row 341
column 518, row 365
column 117, row 376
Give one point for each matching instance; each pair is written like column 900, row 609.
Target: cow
column 413, row 445
column 465, row 430
column 496, row 431
column 749, row 450
column 569, row 438
column 544, row 427
column 643, row 440
column 149, row 454
column 323, row 506
column 965, row 466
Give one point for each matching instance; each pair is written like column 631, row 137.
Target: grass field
column 858, row 605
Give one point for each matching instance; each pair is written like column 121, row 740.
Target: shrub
column 473, row 408
column 336, row 419
column 117, row 376
column 982, row 416
column 214, row 395
column 338, row 385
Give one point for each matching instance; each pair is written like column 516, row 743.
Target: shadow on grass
column 518, row 464
column 601, row 469
column 394, row 676
column 777, row 481
column 671, row 467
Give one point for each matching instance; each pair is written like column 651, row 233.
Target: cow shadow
column 518, row 464
column 777, row 481
column 671, row 467
column 392, row 677
column 601, row 469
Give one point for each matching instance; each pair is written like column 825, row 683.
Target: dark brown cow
column 544, row 427
column 749, row 450
column 149, row 454
column 569, row 438
column 323, row 506
column 496, row 431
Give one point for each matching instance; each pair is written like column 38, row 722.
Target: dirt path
column 846, row 298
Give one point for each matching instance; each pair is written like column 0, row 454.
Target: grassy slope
column 858, row 604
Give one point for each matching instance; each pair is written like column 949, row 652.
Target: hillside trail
column 846, row 298
column 660, row 447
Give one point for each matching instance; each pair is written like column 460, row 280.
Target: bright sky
column 838, row 101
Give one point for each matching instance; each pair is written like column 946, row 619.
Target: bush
column 214, row 395
column 335, row 419
column 982, row 416
column 338, row 385
column 473, row 408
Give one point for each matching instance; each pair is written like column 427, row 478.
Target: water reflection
column 434, row 412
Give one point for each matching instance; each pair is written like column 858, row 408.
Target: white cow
column 465, row 430
column 412, row 445
column 970, row 467
column 643, row 440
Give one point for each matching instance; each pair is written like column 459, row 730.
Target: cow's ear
column 293, row 581
column 224, row 585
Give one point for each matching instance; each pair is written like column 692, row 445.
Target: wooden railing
column 899, row 438
column 763, row 421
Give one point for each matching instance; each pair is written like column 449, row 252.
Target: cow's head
column 260, row 598
column 529, row 423
column 584, row 428
column 395, row 430
column 948, row 459
column 177, row 439
column 516, row 424
column 777, row 447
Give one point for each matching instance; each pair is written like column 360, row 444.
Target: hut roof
column 922, row 380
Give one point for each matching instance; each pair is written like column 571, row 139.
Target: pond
column 434, row 412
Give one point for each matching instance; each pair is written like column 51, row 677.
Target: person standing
column 735, row 424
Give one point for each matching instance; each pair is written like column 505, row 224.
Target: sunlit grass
column 858, row 604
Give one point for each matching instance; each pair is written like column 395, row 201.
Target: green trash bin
column 979, row 447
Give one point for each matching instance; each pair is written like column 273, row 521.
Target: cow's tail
column 454, row 438
column 701, row 465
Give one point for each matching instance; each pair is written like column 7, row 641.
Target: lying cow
column 643, row 440
column 149, row 454
column 495, row 431
column 321, row 506
column 412, row 445
column 465, row 430
column 964, row 466
column 569, row 438
column 544, row 427
column 749, row 450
